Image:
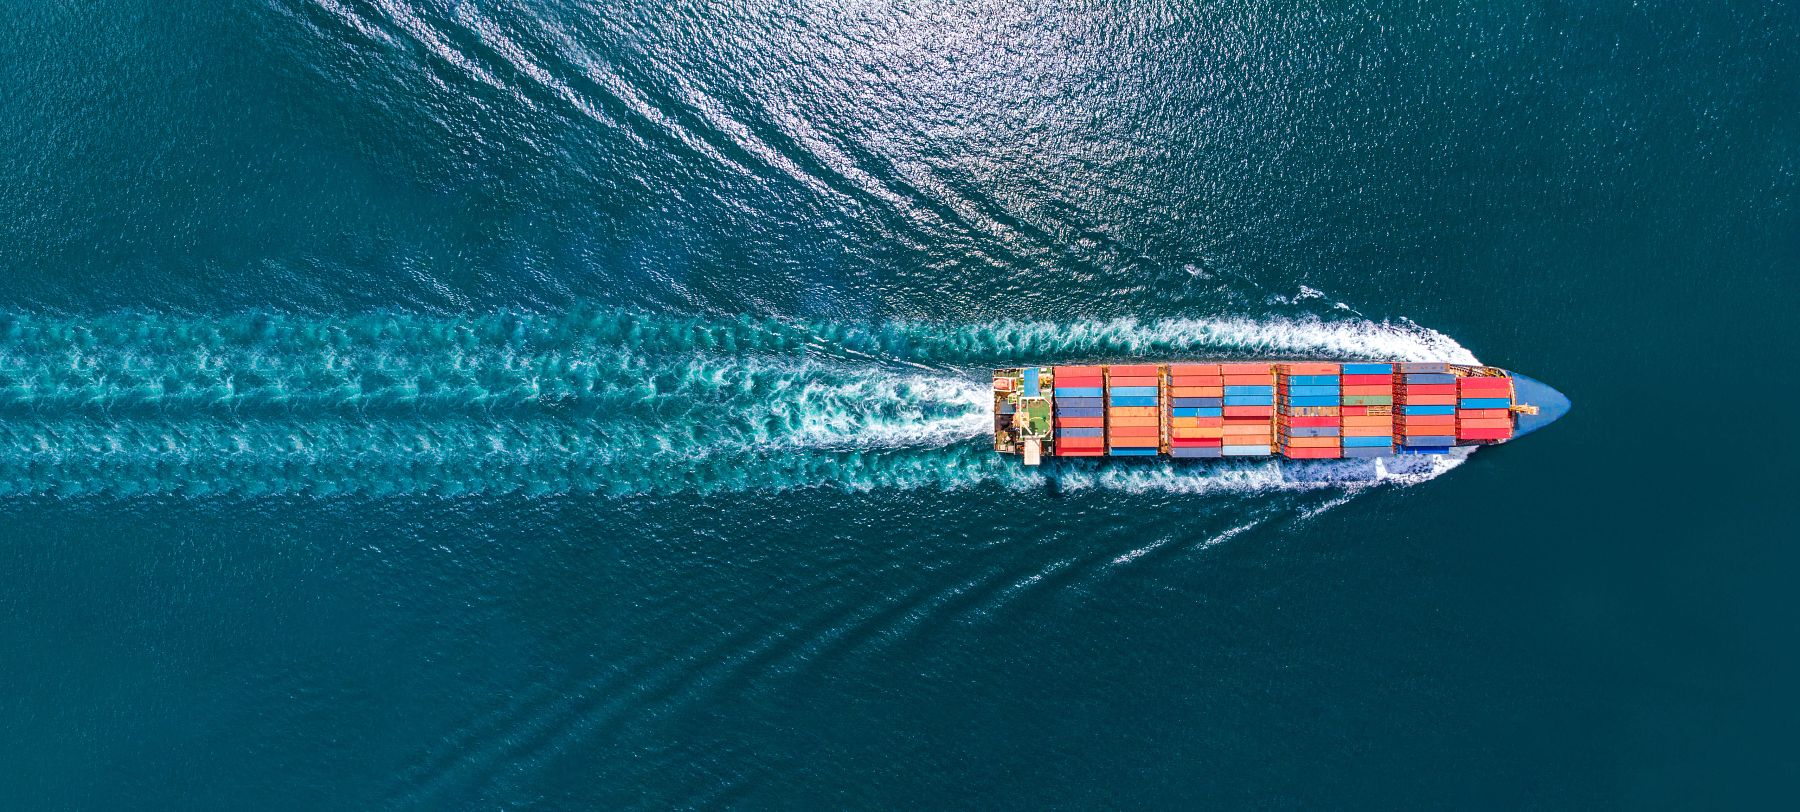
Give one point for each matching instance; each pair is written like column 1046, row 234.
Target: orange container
column 1429, row 420
column 1367, row 431
column 1196, row 391
column 1132, row 411
column 1230, row 429
column 1134, row 380
column 1134, row 421
column 1132, row 442
column 1430, row 400
column 1246, row 369
column 1196, row 432
column 1249, row 411
column 1078, row 442
column 1367, row 420
column 1311, row 368
column 1129, row 370
column 1483, row 414
column 1132, row 431
column 1193, row 369
column 1080, row 422
column 1368, row 390
column 1249, row 380
column 1198, row 380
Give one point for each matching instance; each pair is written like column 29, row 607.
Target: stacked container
column 1368, row 411
column 1249, row 412
column 1425, row 397
column 1484, row 408
column 1307, row 411
column 1080, row 414
column 1133, row 427
column 1196, row 411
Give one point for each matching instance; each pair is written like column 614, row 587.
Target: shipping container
column 1313, row 453
column 1383, row 451
column 1368, row 442
column 1196, row 453
column 1485, row 403
column 1196, row 411
column 1248, row 451
column 1193, row 369
column 1121, row 400
column 1432, row 367
column 1146, row 370
column 1368, row 369
column 1079, row 411
column 1213, row 402
column 1077, row 392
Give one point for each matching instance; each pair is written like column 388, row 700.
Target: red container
column 1427, row 389
column 1368, row 390
column 1355, row 411
column 1501, row 423
column 1193, row 369
column 1368, row 380
column 1484, row 434
column 1140, row 370
column 1249, row 411
column 1246, row 369
column 1249, row 380
column 1135, row 380
column 1483, row 414
column 1195, row 442
column 1427, row 420
column 1430, row 400
column 1078, row 380
column 1080, row 442
column 1311, row 368
column 1486, row 384
column 1309, row 422
column 1312, row 453
column 1197, row 380
column 1080, row 422
column 1079, row 372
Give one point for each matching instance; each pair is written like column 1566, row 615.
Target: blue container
column 1079, row 411
column 1183, row 411
column 1250, row 400
column 1094, row 401
column 1368, row 442
column 1249, row 390
column 1422, row 450
column 1031, row 383
column 1131, row 452
column 1428, row 410
column 1205, row 402
column 1078, row 391
column 1080, row 432
column 1370, row 451
column 1415, row 442
column 1133, row 391
column 1312, row 400
column 1313, row 380
column 1368, row 369
column 1196, row 453
column 1130, row 401
column 1310, row 391
column 1485, row 403
column 1429, row 378
column 1311, row 431
column 1246, row 451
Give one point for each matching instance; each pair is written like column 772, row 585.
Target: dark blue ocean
column 576, row 404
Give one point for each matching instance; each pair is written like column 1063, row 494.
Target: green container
column 1368, row 400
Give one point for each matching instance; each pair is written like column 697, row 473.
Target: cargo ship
column 1285, row 409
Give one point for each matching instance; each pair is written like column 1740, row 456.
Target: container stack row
column 1080, row 411
column 1484, row 408
column 1425, row 397
column 1196, row 411
column 1133, row 427
column 1307, row 413
column 1249, row 410
column 1368, row 411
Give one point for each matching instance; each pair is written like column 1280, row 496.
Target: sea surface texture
column 584, row 405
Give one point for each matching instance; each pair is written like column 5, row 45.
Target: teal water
column 581, row 405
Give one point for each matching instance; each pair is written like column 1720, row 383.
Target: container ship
column 1293, row 410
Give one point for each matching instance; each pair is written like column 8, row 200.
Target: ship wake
column 591, row 401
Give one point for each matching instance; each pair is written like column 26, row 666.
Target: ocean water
column 582, row 405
